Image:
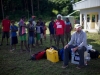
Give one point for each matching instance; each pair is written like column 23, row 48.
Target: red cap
column 33, row 16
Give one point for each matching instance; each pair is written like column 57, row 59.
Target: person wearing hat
column 78, row 44
column 59, row 27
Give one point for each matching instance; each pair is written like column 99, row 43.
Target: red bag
column 40, row 55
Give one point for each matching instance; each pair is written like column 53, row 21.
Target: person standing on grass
column 42, row 30
column 13, row 35
column 45, row 28
column 22, row 33
column 38, row 33
column 5, row 29
column 52, row 31
column 78, row 43
column 68, row 29
column 31, row 30
column 59, row 26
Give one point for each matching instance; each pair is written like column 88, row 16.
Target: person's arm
column 84, row 40
column 16, row 28
column 70, row 26
column 64, row 26
column 49, row 26
column 72, row 39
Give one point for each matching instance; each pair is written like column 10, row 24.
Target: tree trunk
column 38, row 5
column 2, row 9
column 32, row 6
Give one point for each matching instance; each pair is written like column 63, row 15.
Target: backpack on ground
column 94, row 54
column 61, row 54
column 39, row 55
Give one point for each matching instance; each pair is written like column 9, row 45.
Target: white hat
column 77, row 25
column 59, row 15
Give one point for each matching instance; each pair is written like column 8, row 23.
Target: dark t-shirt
column 51, row 28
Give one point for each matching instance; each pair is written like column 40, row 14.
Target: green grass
column 16, row 63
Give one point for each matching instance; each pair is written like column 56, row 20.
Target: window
column 93, row 18
column 88, row 18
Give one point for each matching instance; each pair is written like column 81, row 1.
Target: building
column 89, row 14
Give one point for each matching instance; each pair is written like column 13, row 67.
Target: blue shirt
column 13, row 29
column 51, row 28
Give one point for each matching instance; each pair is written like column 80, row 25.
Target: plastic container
column 52, row 55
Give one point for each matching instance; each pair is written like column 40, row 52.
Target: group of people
column 34, row 29
column 58, row 30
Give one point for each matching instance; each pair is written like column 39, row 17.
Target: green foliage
column 41, row 8
column 55, row 11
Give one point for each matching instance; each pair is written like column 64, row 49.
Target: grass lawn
column 15, row 63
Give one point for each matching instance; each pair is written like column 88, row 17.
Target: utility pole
column 2, row 9
column 32, row 6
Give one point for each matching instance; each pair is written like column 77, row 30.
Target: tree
column 2, row 9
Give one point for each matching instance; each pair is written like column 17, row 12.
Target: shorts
column 14, row 40
column 23, row 37
column 41, row 35
column 5, row 34
column 31, row 40
column 38, row 36
column 58, row 37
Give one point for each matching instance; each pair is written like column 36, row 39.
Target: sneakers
column 64, row 66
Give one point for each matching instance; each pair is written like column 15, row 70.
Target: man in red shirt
column 59, row 26
column 5, row 28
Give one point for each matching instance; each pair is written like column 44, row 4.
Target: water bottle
column 72, row 53
column 88, row 57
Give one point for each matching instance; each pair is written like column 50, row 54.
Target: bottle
column 88, row 57
column 72, row 53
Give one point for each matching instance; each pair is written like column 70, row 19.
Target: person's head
column 67, row 20
column 40, row 19
column 59, row 17
column 12, row 22
column 7, row 17
column 30, row 21
column 33, row 17
column 23, row 18
column 78, row 27
column 52, row 19
column 38, row 23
